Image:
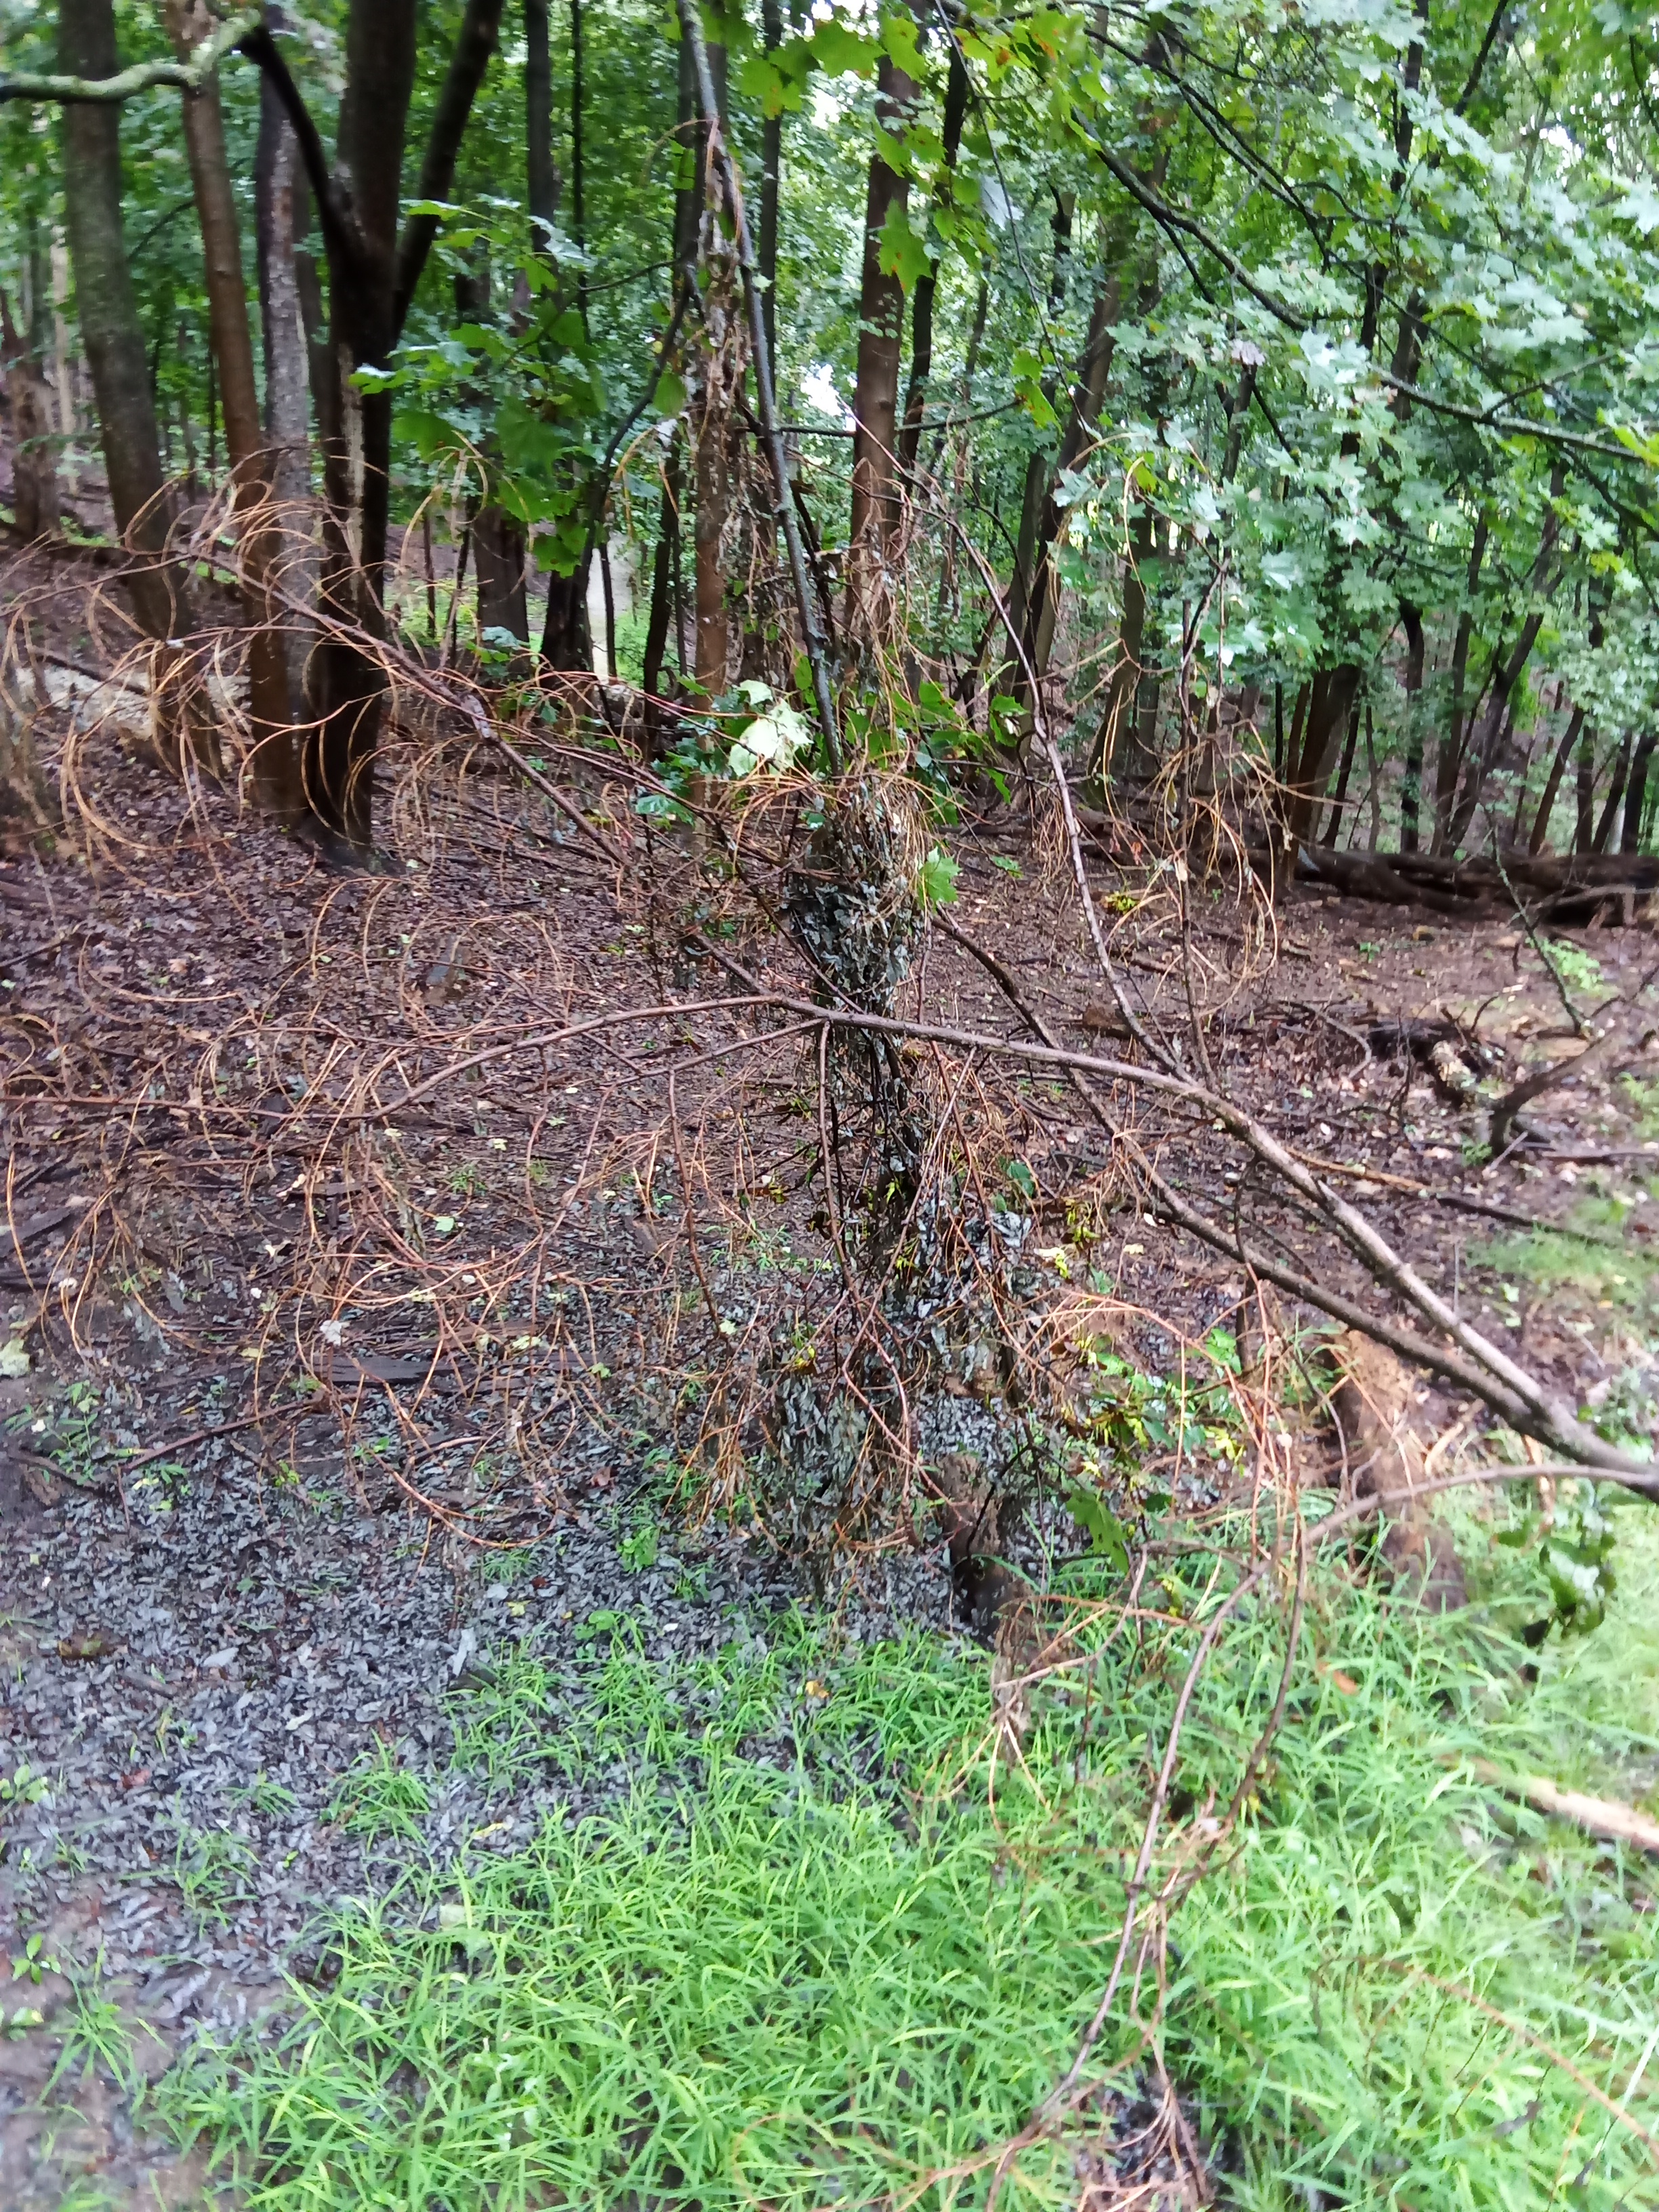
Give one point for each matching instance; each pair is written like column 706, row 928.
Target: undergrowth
column 830, row 1947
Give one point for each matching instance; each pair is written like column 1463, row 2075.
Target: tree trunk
column 541, row 166
column 36, row 500
column 281, row 213
column 1346, row 770
column 275, row 758
column 1126, row 765
column 1615, row 792
column 713, row 418
column 1411, row 788
column 373, row 274
column 1330, row 699
column 1636, row 792
column 663, row 608
column 921, row 305
column 881, row 321
column 771, row 171
column 1448, row 756
column 113, row 337
column 1541, row 828
column 1583, row 837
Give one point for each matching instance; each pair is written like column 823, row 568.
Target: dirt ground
column 354, row 1294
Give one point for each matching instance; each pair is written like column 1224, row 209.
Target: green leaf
column 936, row 881
column 901, row 249
column 1106, row 1533
column 669, row 398
column 841, row 52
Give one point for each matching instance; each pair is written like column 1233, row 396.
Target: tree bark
column 921, row 305
column 373, row 276
column 36, row 500
column 713, row 416
column 771, row 173
column 875, row 514
column 1615, row 792
column 117, row 356
column 1636, row 792
column 275, row 758
column 1448, row 754
column 1541, row 828
column 541, row 166
column 1330, row 700
column 1506, row 673
column 1412, row 788
column 1343, row 774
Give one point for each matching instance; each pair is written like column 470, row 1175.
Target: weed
column 262, row 1795
column 96, row 2035
column 379, row 1798
column 502, row 1726
column 32, row 1961
column 23, row 1787
column 212, row 1869
column 638, row 1549
column 812, row 1958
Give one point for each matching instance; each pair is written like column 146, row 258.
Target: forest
column 828, row 1314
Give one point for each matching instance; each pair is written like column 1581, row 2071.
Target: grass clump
column 829, row 1946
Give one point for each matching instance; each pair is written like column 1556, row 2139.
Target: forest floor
column 345, row 1554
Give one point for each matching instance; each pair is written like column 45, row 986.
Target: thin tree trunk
column 276, row 762
column 36, row 500
column 282, row 209
column 1541, row 828
column 1615, row 792
column 713, row 416
column 1583, row 838
column 1127, row 764
column 117, row 356
column 663, row 595
column 922, row 304
column 771, row 171
column 1635, row 793
column 1448, row 757
column 1330, row 698
column 1341, row 798
column 1411, row 786
column 541, row 166
column 875, row 514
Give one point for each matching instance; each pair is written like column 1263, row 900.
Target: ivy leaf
column 936, row 880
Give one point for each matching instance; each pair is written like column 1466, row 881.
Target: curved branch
column 143, row 76
column 475, row 43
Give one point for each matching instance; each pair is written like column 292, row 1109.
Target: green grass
column 823, row 1951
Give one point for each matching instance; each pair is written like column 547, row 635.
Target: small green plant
column 32, row 1961
column 213, row 1871
column 23, row 1787
column 638, row 1549
column 379, row 1797
column 503, row 1725
column 96, row 2034
column 1578, row 969
column 262, row 1795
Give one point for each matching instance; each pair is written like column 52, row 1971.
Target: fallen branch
column 1598, row 1816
